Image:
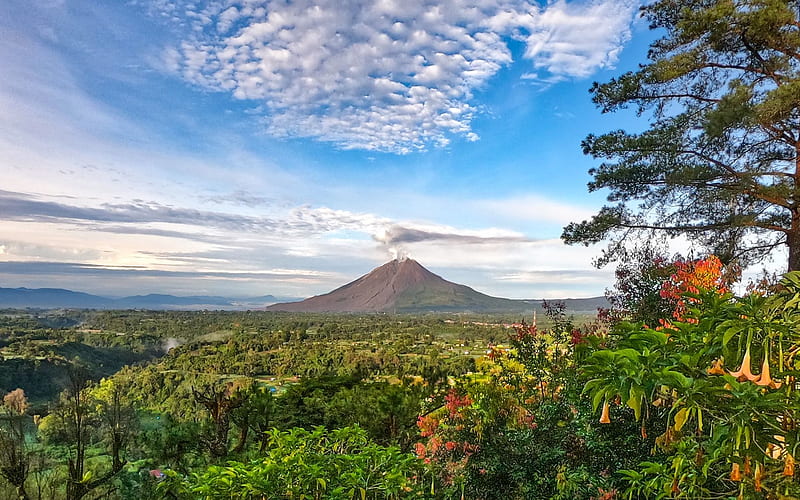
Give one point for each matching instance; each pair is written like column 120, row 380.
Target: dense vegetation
column 682, row 390
column 203, row 387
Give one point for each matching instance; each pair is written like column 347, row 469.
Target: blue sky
column 251, row 147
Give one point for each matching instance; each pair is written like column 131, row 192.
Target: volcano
column 401, row 286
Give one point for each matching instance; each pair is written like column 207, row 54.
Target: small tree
column 221, row 403
column 636, row 293
column 255, row 414
column 83, row 412
column 14, row 453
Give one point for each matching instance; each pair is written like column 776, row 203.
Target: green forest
column 681, row 390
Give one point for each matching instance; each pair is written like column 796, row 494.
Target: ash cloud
column 400, row 235
column 242, row 198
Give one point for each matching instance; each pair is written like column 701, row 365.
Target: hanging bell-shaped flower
column 765, row 380
column 788, row 465
column 736, row 474
column 604, row 419
column 744, row 372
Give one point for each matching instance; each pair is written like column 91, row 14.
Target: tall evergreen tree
column 720, row 161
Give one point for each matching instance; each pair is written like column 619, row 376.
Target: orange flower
column 604, row 416
column 744, row 372
column 765, row 379
column 788, row 467
column 736, row 475
column 693, row 276
column 759, row 473
column 716, row 368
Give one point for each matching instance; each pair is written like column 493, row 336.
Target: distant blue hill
column 51, row 298
column 56, row 298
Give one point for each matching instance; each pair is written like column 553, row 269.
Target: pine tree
column 720, row 161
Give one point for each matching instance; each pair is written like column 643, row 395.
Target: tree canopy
column 720, row 160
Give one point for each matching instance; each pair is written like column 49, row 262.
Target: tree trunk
column 793, row 241
column 23, row 495
column 243, row 432
column 264, row 439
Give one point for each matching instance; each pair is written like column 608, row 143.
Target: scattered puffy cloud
column 575, row 40
column 384, row 75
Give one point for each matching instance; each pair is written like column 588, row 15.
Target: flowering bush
column 519, row 427
column 689, row 279
column 723, row 374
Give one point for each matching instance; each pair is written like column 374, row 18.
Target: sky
column 254, row 147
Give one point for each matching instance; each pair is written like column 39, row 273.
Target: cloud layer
column 385, row 75
column 141, row 242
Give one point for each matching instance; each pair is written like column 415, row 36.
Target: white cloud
column 573, row 40
column 385, row 75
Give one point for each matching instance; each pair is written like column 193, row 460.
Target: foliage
column 720, row 158
column 85, row 413
column 636, row 294
column 14, row 453
column 289, row 371
column 729, row 431
column 520, row 428
column 337, row 464
column 386, row 411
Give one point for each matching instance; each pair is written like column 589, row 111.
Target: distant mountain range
column 399, row 286
column 53, row 298
column 404, row 286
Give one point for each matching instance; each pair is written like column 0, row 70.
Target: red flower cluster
column 453, row 403
column 524, row 330
column 427, row 425
column 577, row 337
column 692, row 277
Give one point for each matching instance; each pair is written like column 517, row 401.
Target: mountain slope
column 402, row 286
